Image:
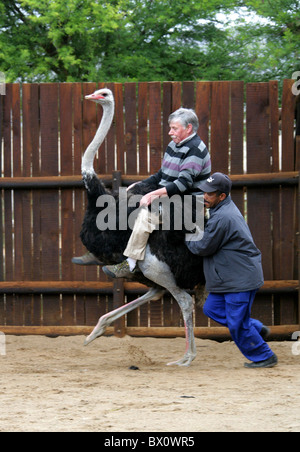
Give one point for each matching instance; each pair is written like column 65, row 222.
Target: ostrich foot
column 97, row 331
column 185, row 361
column 155, row 293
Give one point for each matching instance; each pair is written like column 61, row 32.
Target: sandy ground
column 56, row 384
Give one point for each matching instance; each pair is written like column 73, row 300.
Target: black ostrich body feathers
column 167, row 245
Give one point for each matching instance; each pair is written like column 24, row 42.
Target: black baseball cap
column 216, row 182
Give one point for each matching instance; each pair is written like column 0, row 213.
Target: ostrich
column 168, row 264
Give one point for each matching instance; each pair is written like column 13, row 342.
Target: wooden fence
column 44, row 130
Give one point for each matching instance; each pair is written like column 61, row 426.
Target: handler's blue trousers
column 233, row 310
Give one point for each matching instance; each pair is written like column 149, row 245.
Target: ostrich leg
column 104, row 321
column 185, row 302
column 160, row 273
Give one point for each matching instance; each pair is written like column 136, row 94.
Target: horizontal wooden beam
column 37, row 182
column 238, row 180
column 22, row 287
column 64, row 287
column 280, row 178
column 217, row 333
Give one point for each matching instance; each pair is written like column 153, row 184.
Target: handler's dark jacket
column 232, row 262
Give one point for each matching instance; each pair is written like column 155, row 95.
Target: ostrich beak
column 94, row 96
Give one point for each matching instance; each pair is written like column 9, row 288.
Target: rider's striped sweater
column 183, row 167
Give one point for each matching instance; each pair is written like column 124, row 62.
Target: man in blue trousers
column 233, row 272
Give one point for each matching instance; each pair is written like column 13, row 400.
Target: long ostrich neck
column 87, row 166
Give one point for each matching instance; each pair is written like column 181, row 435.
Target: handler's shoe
column 87, row 259
column 270, row 362
column 121, row 270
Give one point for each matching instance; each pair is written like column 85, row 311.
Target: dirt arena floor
column 57, row 385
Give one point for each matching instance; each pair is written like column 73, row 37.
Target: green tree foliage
column 118, row 40
column 272, row 43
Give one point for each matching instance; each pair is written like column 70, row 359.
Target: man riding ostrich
column 156, row 257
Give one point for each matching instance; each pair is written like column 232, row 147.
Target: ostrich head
column 102, row 96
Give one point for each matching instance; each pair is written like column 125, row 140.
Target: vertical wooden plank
column 287, row 124
column 119, row 120
column 66, row 198
column 1, row 206
column 7, row 171
column 7, row 163
column 16, row 130
column 202, row 108
column 17, row 311
column 33, row 140
column 65, row 133
column 49, row 128
column 93, row 309
column 262, row 308
column 144, row 315
column 176, row 95
column 65, row 115
column 17, row 171
column 200, row 317
column 77, row 127
column 132, row 318
column 298, row 216
column 130, row 128
column 1, row 131
column 258, row 160
column 298, row 147
column 155, row 126
column 188, row 94
column 286, row 305
column 276, row 191
column 2, row 310
column 49, row 199
column 66, row 155
column 219, row 146
column 166, row 111
column 30, row 105
column 258, row 128
column 27, row 309
column 156, row 313
column 167, row 311
column 237, row 138
column 176, row 313
column 8, row 206
column 143, row 127
column 274, row 124
column 30, row 118
column 288, row 232
column 236, row 127
column 30, row 137
column 261, row 228
column 49, row 167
